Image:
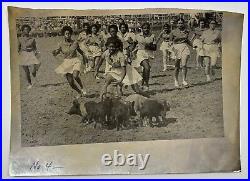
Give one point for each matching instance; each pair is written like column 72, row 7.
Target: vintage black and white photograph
column 120, row 78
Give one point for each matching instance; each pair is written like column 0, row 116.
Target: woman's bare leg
column 35, row 69
column 27, row 73
column 79, row 81
column 207, row 68
column 184, row 69
column 164, row 60
column 176, row 72
column 71, row 82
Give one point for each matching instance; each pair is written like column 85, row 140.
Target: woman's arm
column 99, row 64
column 79, row 50
column 159, row 37
column 57, row 51
column 34, row 45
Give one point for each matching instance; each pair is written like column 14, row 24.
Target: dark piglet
column 153, row 108
column 75, row 108
column 121, row 112
column 98, row 111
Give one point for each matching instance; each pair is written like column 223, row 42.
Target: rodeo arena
column 99, row 79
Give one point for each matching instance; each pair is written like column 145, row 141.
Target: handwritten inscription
column 37, row 165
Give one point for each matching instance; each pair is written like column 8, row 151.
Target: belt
column 210, row 44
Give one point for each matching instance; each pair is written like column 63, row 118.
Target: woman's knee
column 177, row 64
column 207, row 61
column 164, row 54
column 76, row 74
column 184, row 60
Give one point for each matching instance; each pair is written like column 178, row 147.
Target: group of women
column 124, row 53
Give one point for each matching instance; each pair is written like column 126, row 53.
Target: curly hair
column 181, row 19
column 26, row 26
column 88, row 27
column 85, row 24
column 213, row 21
column 114, row 40
column 125, row 25
column 96, row 26
column 113, row 26
column 67, row 28
column 168, row 27
column 145, row 24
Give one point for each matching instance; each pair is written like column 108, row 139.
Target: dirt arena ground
column 196, row 111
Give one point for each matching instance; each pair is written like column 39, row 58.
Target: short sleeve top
column 211, row 36
column 198, row 31
column 165, row 36
column 143, row 40
column 26, row 44
column 126, row 38
column 117, row 58
column 179, row 36
column 68, row 49
column 95, row 40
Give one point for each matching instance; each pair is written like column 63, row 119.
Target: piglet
column 153, row 108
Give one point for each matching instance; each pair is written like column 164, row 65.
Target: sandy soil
column 196, row 111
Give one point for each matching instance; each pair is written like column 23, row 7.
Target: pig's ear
column 83, row 109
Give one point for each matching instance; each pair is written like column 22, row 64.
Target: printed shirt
column 104, row 35
column 198, row 31
column 126, row 38
column 119, row 39
column 143, row 40
column 95, row 40
column 165, row 36
column 178, row 36
column 117, row 58
column 68, row 49
column 26, row 44
column 211, row 36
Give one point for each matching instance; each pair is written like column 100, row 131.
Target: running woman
column 71, row 65
column 211, row 39
column 28, row 53
column 146, row 45
column 179, row 38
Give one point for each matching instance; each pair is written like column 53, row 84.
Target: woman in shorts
column 179, row 38
column 165, row 45
column 211, row 40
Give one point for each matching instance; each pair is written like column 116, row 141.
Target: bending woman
column 117, row 70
